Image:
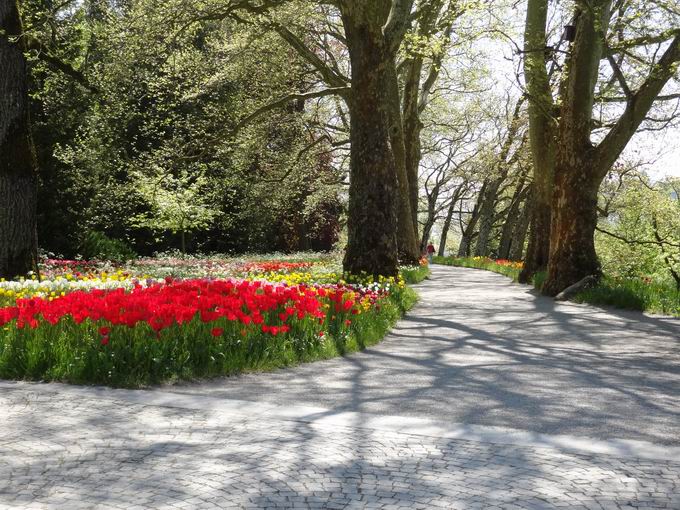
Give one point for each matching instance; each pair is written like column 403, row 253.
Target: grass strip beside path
column 626, row 293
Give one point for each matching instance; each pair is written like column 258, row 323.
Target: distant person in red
column 430, row 252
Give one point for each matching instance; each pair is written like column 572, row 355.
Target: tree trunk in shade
column 374, row 188
column 18, row 168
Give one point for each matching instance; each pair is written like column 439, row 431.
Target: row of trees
column 259, row 124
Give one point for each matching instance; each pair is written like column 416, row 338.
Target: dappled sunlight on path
column 480, row 349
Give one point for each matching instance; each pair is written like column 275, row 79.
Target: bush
column 98, row 245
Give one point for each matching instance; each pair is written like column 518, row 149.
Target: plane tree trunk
column 581, row 165
column 373, row 31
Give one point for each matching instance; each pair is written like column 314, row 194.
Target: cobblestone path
column 231, row 444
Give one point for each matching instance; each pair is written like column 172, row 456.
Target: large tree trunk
column 373, row 192
column 580, row 165
column 18, row 192
column 541, row 137
column 572, row 242
column 574, row 206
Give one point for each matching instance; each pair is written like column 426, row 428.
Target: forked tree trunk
column 18, row 181
column 373, row 193
column 580, row 165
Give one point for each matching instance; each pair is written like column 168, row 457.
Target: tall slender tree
column 542, row 127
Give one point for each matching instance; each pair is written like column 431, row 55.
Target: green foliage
column 414, row 274
column 170, row 93
column 634, row 294
column 97, row 246
column 640, row 238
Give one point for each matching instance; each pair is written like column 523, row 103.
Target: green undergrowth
column 417, row 274
column 653, row 297
column 626, row 293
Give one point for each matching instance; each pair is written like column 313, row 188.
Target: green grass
column 413, row 275
column 631, row 294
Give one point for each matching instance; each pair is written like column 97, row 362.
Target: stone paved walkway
column 484, row 397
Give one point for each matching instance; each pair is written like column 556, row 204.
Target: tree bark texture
column 511, row 219
column 18, row 181
column 542, row 127
column 581, row 166
column 519, row 233
column 572, row 254
column 407, row 231
column 374, row 190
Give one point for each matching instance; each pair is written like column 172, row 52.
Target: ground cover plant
column 643, row 293
column 168, row 318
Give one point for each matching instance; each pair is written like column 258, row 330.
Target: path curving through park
column 484, row 396
column 480, row 349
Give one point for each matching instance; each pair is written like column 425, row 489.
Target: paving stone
column 63, row 452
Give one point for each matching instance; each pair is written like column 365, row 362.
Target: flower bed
column 123, row 329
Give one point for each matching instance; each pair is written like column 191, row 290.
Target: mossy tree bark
column 542, row 126
column 18, row 181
